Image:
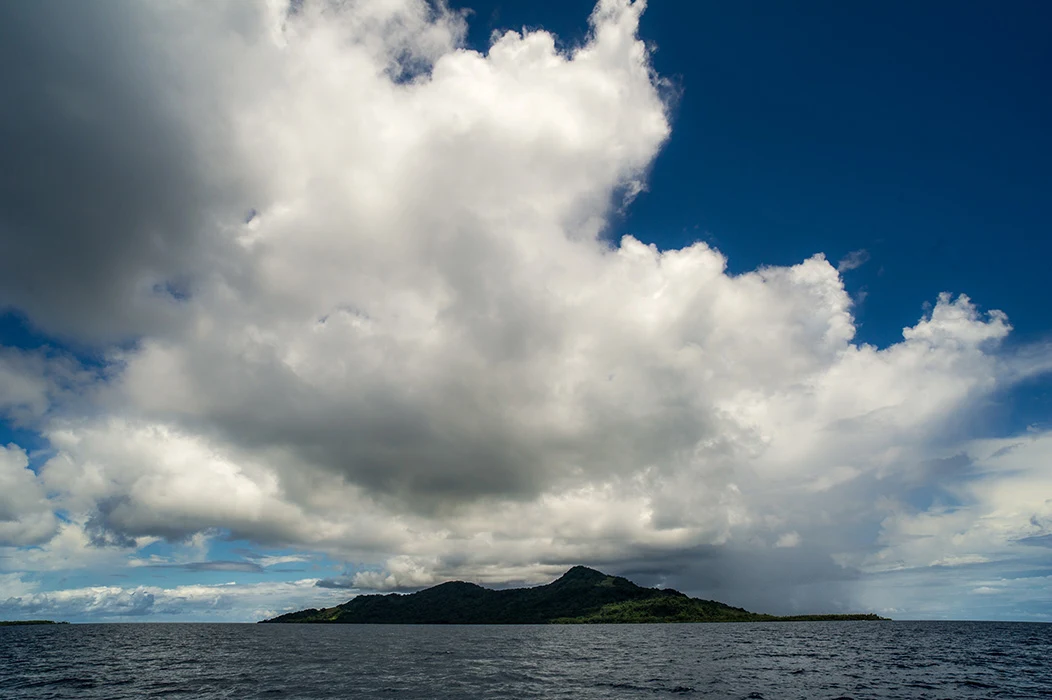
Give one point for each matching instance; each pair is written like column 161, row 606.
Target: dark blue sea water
column 806, row 660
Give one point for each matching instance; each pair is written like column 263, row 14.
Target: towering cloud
column 354, row 293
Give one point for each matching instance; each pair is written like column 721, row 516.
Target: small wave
column 677, row 689
column 78, row 683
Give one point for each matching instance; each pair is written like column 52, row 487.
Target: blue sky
column 918, row 134
column 440, row 346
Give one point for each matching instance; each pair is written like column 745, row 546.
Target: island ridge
column 581, row 595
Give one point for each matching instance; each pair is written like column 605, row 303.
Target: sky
column 302, row 301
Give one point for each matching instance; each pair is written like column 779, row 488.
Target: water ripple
column 787, row 661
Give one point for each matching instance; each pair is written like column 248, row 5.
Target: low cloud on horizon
column 421, row 356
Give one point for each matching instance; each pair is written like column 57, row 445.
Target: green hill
column 581, row 595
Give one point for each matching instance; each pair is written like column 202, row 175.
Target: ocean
column 805, row 660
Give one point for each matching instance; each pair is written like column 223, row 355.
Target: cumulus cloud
column 401, row 573
column 376, row 313
column 25, row 515
column 35, row 383
column 23, row 388
column 222, row 602
column 70, row 549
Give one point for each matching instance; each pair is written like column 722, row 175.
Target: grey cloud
column 249, row 553
column 23, row 388
column 1006, row 450
column 1037, row 541
column 34, row 383
column 99, row 530
column 102, row 193
column 338, row 583
column 214, row 565
column 775, row 581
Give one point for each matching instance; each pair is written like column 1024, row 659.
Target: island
column 581, row 596
column 18, row 623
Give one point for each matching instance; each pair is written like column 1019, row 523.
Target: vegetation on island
column 580, row 596
column 15, row 623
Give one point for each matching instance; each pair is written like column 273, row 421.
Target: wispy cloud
column 345, row 582
column 853, row 260
column 218, row 565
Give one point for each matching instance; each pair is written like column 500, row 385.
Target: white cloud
column 25, row 514
column 69, row 549
column 400, row 573
column 853, row 260
column 421, row 352
column 274, row 560
column 1003, row 496
column 222, row 602
column 14, row 586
